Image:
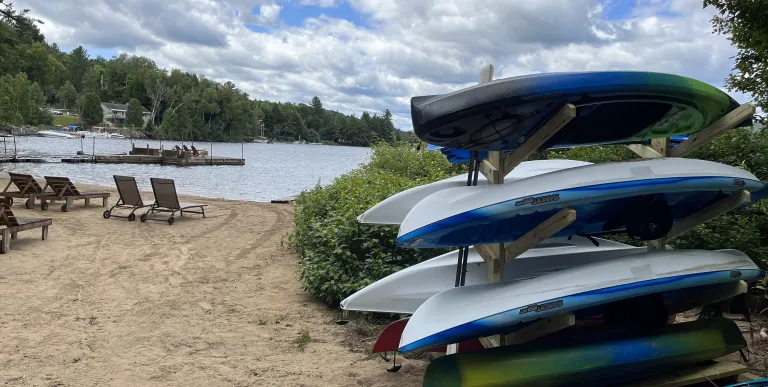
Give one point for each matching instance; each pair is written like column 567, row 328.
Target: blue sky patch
column 294, row 14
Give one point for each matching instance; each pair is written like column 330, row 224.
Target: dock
column 151, row 159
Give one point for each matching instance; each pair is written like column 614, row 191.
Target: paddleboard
column 612, row 107
column 467, row 312
column 614, row 197
column 405, row 290
column 394, row 209
column 591, row 360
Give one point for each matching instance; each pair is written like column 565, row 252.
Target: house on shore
column 115, row 113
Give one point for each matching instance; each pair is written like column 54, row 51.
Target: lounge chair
column 64, row 189
column 130, row 197
column 166, row 200
column 10, row 225
column 27, row 188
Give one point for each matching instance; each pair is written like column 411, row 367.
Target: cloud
column 406, row 48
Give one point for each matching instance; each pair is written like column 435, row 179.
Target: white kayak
column 466, row 312
column 603, row 196
column 405, row 290
column 393, row 209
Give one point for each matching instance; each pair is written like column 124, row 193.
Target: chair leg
column 67, row 204
column 87, row 202
column 5, row 245
column 203, row 211
column 104, row 201
column 45, row 232
column 14, row 234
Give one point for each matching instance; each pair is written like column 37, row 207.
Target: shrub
column 338, row 256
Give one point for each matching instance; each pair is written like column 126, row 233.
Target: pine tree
column 91, row 109
column 134, row 116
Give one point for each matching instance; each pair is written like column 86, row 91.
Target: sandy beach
column 205, row 302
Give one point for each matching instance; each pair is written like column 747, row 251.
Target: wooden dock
column 144, row 159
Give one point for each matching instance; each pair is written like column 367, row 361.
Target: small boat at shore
column 55, row 134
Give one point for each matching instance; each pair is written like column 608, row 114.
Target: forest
column 36, row 75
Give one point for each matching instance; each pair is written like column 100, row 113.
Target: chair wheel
column 28, row 204
column 63, row 208
column 171, row 220
column 143, row 218
column 131, row 217
column 44, row 206
column 106, row 214
column 10, row 201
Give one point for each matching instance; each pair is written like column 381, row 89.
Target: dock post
column 242, row 151
column 93, row 150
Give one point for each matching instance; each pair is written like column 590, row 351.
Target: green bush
column 337, row 257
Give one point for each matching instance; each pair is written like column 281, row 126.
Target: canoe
column 394, row 209
column 457, row 314
column 591, row 360
column 405, row 290
column 614, row 197
column 612, row 107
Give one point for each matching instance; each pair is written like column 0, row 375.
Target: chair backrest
column 6, row 214
column 25, row 183
column 128, row 190
column 61, row 186
column 165, row 193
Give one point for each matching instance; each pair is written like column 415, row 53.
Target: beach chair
column 130, row 198
column 27, row 188
column 166, row 200
column 64, row 189
column 10, row 225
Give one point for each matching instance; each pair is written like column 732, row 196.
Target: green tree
column 744, row 21
column 317, row 107
column 134, row 115
column 39, row 65
column 77, row 66
column 67, row 95
column 90, row 106
column 9, row 113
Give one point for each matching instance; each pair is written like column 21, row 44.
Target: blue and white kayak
column 608, row 198
column 393, row 209
column 461, row 313
column 405, row 290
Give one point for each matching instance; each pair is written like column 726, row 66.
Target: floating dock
column 146, row 159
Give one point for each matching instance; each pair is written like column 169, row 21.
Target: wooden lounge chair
column 10, row 225
column 130, row 197
column 64, row 189
column 27, row 188
column 166, row 200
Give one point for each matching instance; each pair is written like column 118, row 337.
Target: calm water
column 271, row 171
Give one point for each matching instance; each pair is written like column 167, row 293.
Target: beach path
column 204, row 302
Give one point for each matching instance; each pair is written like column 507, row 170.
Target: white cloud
column 321, row 3
column 406, row 48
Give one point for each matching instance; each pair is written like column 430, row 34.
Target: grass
column 303, row 340
column 65, row 120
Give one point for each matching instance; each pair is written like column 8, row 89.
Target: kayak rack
column 497, row 165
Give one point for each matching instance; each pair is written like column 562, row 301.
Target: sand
column 205, row 302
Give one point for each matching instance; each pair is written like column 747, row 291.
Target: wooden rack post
column 495, row 168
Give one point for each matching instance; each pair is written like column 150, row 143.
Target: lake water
column 271, row 171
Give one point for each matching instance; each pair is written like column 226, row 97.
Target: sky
column 371, row 55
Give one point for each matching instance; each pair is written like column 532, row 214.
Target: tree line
column 36, row 75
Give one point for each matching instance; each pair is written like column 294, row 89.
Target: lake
column 271, row 171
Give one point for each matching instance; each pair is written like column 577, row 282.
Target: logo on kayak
column 539, row 97
column 538, row 200
column 739, row 182
column 542, row 307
